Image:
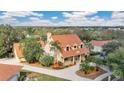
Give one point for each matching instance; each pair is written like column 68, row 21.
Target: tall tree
column 32, row 50
column 30, row 31
column 111, row 46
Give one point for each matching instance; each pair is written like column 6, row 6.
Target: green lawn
column 33, row 76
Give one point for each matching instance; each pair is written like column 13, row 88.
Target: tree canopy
column 32, row 50
column 115, row 62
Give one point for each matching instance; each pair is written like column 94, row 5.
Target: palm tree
column 30, row 30
column 56, row 47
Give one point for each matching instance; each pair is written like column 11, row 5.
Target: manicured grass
column 33, row 76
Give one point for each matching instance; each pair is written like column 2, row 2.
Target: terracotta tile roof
column 99, row 43
column 18, row 49
column 8, row 71
column 75, row 52
column 69, row 39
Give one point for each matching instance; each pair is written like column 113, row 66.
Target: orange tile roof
column 75, row 52
column 8, row 71
column 18, row 49
column 68, row 39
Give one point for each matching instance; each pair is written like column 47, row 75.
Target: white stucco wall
column 47, row 47
column 97, row 49
column 59, row 57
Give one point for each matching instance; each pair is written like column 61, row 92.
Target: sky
column 62, row 18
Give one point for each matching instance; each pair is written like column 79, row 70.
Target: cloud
column 69, row 19
column 54, row 17
column 83, row 19
column 80, row 19
column 117, row 15
column 20, row 14
column 117, row 19
column 34, row 21
column 77, row 14
column 11, row 17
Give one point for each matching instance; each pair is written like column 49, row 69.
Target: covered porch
column 73, row 59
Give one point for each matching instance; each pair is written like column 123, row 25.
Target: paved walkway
column 101, row 77
column 67, row 73
column 9, row 61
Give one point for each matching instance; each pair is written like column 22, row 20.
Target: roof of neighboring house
column 75, row 52
column 68, row 39
column 8, row 71
column 99, row 42
column 18, row 49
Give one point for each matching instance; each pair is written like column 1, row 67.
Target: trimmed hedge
column 46, row 60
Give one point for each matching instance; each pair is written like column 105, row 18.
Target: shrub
column 94, row 53
column 60, row 63
column 46, row 60
column 86, row 68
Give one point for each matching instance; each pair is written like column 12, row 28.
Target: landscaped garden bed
column 92, row 73
column 33, row 76
column 37, row 64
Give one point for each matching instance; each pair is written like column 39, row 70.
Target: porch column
column 80, row 59
column 73, row 60
column 63, row 60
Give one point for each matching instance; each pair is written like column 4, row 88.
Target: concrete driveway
column 67, row 73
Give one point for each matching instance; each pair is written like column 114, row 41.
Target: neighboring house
column 9, row 72
column 98, row 45
column 72, row 48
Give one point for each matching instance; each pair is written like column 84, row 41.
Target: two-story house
column 72, row 51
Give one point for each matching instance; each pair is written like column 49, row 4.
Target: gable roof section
column 99, row 43
column 69, row 39
column 75, row 52
column 8, row 71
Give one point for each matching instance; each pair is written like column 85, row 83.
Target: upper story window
column 67, row 48
column 75, row 46
column 81, row 45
